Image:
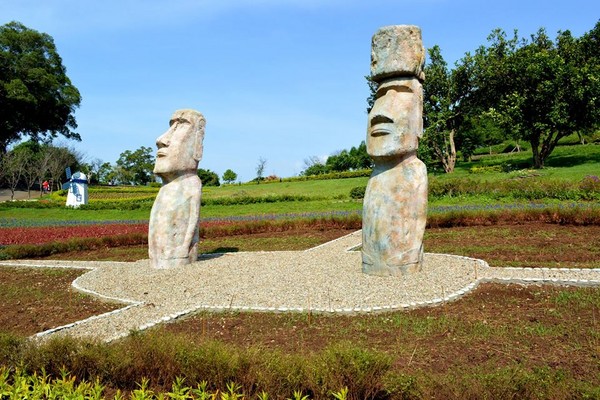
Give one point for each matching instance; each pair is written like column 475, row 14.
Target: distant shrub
column 590, row 187
column 272, row 178
column 358, row 192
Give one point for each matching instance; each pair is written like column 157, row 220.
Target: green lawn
column 570, row 162
column 330, row 188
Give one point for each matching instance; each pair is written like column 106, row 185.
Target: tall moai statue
column 395, row 203
column 175, row 216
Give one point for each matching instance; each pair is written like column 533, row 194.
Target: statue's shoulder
column 417, row 165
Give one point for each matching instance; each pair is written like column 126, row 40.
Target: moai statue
column 175, row 215
column 395, row 203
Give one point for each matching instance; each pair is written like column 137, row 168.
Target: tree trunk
column 538, row 162
column 450, row 161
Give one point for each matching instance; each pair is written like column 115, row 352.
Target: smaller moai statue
column 395, row 202
column 175, row 216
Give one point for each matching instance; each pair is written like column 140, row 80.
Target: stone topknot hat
column 397, row 51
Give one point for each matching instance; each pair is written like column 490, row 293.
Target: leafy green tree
column 342, row 161
column 104, row 173
column 314, row 166
column 36, row 96
column 208, row 177
column 538, row 89
column 476, row 132
column 229, row 176
column 441, row 108
column 135, row 167
column 360, row 158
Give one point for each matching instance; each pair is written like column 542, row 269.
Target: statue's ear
column 198, row 147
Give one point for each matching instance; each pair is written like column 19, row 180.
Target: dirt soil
column 496, row 325
column 33, row 300
column 5, row 195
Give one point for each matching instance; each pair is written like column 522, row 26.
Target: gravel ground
column 324, row 279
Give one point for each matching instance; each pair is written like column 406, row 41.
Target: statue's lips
column 161, row 153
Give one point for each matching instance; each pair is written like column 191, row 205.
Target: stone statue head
column 395, row 122
column 180, row 147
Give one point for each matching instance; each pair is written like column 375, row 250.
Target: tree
column 339, row 162
column 104, row 173
column 38, row 99
column 59, row 159
column 91, row 169
column 314, row 166
column 12, row 167
column 229, row 176
column 478, row 131
column 208, row 177
column 538, row 89
column 30, row 152
column 260, row 169
column 441, row 108
column 135, row 167
column 359, row 157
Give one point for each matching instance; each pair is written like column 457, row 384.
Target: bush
column 360, row 370
column 358, row 192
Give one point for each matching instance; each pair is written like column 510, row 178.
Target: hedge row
column 331, row 175
column 76, row 244
column 147, row 201
column 586, row 190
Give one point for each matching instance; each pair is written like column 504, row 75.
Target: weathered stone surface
column 396, row 121
column 394, row 217
column 397, row 51
column 175, row 216
column 395, row 203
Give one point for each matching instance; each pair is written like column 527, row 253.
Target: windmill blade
column 68, row 172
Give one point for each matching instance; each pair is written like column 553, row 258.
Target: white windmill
column 77, row 187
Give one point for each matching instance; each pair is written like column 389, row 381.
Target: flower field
column 48, row 234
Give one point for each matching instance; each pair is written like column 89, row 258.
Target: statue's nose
column 163, row 141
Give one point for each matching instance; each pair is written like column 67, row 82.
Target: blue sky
column 278, row 79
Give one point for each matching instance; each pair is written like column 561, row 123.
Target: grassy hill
column 571, row 175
